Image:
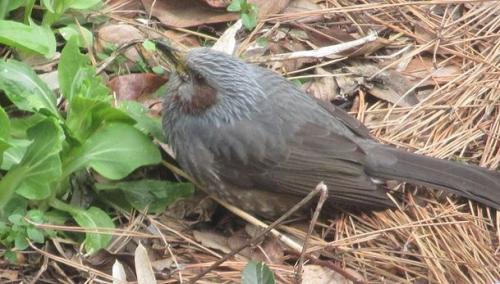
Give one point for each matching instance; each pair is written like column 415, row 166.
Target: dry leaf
column 162, row 264
column 10, row 275
column 323, row 88
column 328, row 36
column 143, row 268
column 119, row 275
column 217, row 3
column 227, row 42
column 193, row 210
column 212, row 240
column 301, row 6
column 315, row 274
column 125, row 8
column 136, row 86
column 287, row 45
column 388, row 85
column 189, row 13
column 117, row 34
column 419, row 68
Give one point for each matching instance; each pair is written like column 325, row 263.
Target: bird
column 257, row 141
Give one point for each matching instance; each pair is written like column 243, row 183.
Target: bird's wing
column 297, row 164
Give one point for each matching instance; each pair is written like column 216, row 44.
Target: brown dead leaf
column 286, row 45
column 315, row 274
column 370, row 47
column 324, row 88
column 424, row 35
column 162, row 264
column 189, row 13
column 217, row 3
column 136, row 86
column 193, row 210
column 10, row 275
column 125, row 8
column 300, row 6
column 325, row 36
column 117, row 34
column 181, row 38
column 388, row 85
column 212, row 240
column 421, row 67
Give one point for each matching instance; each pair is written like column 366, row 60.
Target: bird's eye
column 198, row 77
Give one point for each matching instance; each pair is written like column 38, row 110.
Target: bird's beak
column 175, row 56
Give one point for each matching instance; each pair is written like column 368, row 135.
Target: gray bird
column 257, row 141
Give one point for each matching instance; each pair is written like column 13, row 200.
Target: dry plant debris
column 448, row 55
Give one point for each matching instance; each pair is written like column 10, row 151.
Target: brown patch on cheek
column 204, row 96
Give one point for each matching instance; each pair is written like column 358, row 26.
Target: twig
column 70, row 263
column 322, row 198
column 106, row 62
column 256, row 222
column 260, row 235
column 317, row 53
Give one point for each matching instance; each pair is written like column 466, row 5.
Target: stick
column 322, row 198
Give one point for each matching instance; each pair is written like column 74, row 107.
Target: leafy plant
column 257, row 273
column 248, row 12
column 27, row 36
column 41, row 150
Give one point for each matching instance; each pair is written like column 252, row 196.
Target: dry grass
column 430, row 238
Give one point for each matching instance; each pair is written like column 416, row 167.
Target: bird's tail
column 468, row 181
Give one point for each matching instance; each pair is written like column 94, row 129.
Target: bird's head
column 205, row 81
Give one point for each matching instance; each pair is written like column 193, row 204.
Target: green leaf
column 20, row 242
column 149, row 45
column 235, row 6
column 15, row 153
column 4, row 133
column 28, row 8
column 4, row 145
column 41, row 163
column 114, row 151
column 16, row 218
column 35, row 235
column 16, row 205
column 86, row 115
column 93, row 218
column 20, row 125
column 257, row 273
column 4, row 124
column 40, row 166
column 249, row 20
column 145, row 122
column 38, row 39
column 84, row 4
column 262, row 41
column 11, row 256
column 36, row 216
column 87, row 83
column 158, row 70
column 84, row 36
column 156, row 195
column 49, row 5
column 25, row 89
column 70, row 63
